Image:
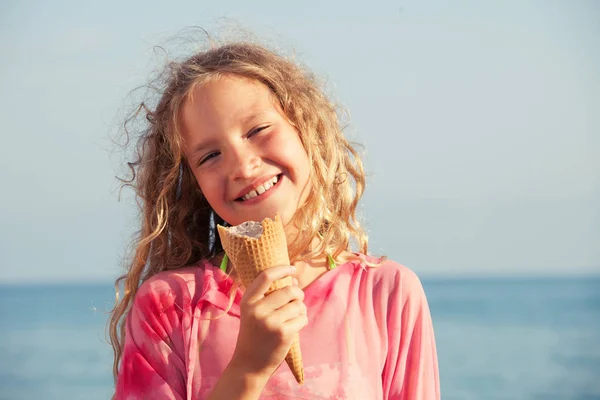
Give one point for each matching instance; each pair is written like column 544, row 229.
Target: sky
column 480, row 123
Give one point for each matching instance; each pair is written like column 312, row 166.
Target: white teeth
column 261, row 189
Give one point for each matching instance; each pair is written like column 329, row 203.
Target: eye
column 208, row 157
column 257, row 130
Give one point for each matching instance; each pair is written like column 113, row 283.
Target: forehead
column 224, row 103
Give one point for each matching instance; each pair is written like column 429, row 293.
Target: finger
column 259, row 286
column 295, row 325
column 279, row 298
column 289, row 312
column 295, row 281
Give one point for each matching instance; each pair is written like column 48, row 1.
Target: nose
column 244, row 163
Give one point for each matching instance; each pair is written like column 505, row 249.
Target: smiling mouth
column 265, row 187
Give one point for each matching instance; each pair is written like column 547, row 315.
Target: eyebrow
column 255, row 115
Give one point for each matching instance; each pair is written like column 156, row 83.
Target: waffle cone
column 250, row 256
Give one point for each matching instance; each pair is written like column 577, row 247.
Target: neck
column 310, row 270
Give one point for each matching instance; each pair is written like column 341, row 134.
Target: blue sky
column 480, row 124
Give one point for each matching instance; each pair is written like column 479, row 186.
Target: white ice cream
column 249, row 229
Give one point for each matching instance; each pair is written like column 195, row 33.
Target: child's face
column 238, row 143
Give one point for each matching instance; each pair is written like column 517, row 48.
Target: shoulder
column 390, row 279
column 167, row 288
column 383, row 269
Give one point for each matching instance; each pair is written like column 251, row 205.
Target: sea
column 497, row 338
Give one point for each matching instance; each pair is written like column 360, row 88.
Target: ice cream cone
column 253, row 247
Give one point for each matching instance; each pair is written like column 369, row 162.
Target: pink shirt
column 369, row 336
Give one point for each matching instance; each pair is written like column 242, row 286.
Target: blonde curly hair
column 178, row 226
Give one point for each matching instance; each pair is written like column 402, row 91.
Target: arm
column 238, row 384
column 411, row 369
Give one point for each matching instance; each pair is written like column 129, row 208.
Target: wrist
column 247, row 377
column 238, row 383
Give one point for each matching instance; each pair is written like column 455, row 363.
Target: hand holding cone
column 254, row 247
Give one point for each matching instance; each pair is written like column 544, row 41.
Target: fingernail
column 292, row 268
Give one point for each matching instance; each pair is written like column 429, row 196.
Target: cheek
column 291, row 151
column 302, row 162
column 209, row 186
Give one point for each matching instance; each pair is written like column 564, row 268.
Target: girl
column 240, row 133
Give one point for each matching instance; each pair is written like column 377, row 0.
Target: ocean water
column 497, row 339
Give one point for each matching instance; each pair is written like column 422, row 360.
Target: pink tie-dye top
column 369, row 336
